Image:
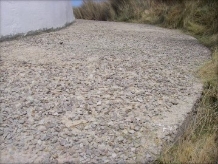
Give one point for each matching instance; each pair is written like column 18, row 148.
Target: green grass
column 199, row 18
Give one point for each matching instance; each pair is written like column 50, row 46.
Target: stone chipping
column 96, row 92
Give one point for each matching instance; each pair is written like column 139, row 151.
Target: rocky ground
column 96, row 92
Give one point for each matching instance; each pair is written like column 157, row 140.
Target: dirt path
column 96, row 92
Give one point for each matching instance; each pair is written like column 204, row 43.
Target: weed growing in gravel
column 199, row 143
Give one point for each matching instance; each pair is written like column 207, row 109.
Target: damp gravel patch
column 96, row 92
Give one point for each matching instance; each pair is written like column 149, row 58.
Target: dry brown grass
column 202, row 150
column 92, row 10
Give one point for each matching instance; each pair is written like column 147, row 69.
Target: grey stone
column 126, row 82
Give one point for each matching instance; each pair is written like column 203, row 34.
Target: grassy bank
column 199, row 143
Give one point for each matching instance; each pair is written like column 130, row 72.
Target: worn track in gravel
column 96, row 92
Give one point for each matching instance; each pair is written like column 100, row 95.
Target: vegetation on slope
column 199, row 143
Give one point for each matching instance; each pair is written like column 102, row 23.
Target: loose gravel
column 96, row 92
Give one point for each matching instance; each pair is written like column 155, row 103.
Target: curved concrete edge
column 177, row 130
column 189, row 117
column 35, row 32
column 181, row 129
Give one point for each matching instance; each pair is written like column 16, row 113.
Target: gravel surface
column 96, row 92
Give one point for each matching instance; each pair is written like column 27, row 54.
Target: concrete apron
column 97, row 92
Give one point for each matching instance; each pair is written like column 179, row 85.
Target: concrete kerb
column 32, row 33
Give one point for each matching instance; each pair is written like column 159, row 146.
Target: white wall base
column 20, row 17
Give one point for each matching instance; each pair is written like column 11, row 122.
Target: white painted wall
column 23, row 16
